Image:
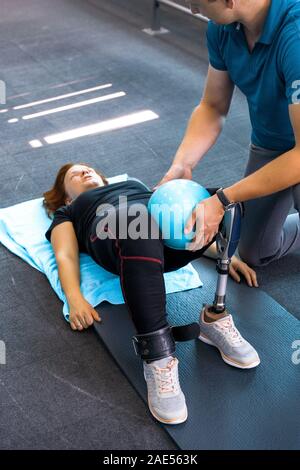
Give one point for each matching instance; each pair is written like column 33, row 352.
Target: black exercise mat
column 228, row 408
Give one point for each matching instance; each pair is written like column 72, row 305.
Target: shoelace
column 227, row 327
column 166, row 377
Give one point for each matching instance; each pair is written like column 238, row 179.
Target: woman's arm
column 236, row 265
column 65, row 246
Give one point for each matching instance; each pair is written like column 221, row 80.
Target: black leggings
column 140, row 264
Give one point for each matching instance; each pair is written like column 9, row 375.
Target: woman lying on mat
column 79, row 199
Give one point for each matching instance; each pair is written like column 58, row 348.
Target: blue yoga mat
column 228, row 408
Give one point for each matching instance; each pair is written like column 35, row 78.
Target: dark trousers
column 140, row 263
column 269, row 232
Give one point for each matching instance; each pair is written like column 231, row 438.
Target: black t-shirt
column 82, row 211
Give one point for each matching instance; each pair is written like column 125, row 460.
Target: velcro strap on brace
column 161, row 343
column 186, row 332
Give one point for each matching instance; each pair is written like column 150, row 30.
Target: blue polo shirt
column 269, row 76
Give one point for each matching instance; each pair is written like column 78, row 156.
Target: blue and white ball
column 171, row 206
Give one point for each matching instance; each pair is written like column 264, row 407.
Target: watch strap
column 223, row 199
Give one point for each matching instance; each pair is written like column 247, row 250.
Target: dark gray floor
column 61, row 389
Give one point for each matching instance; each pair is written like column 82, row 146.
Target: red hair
column 56, row 196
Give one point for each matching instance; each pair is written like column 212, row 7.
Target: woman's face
column 80, row 178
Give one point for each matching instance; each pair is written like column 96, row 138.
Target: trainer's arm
column 283, row 172
column 207, row 120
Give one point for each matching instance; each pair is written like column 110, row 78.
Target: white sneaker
column 166, row 400
column 234, row 349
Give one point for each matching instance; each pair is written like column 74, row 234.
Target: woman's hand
column 238, row 266
column 82, row 314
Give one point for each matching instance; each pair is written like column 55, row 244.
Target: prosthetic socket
column 162, row 343
column 227, row 242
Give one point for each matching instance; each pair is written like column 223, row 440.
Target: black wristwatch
column 224, row 199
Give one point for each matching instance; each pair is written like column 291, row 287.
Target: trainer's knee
column 253, row 257
column 250, row 254
column 259, row 251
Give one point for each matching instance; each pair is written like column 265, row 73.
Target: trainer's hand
column 176, row 171
column 238, row 266
column 82, row 314
column 207, row 216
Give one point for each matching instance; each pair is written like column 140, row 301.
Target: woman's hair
column 56, row 196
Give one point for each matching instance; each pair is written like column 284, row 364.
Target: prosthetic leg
column 227, row 243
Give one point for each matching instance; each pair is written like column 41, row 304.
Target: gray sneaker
column 165, row 398
column 234, row 349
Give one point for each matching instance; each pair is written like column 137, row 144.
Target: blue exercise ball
column 171, row 205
